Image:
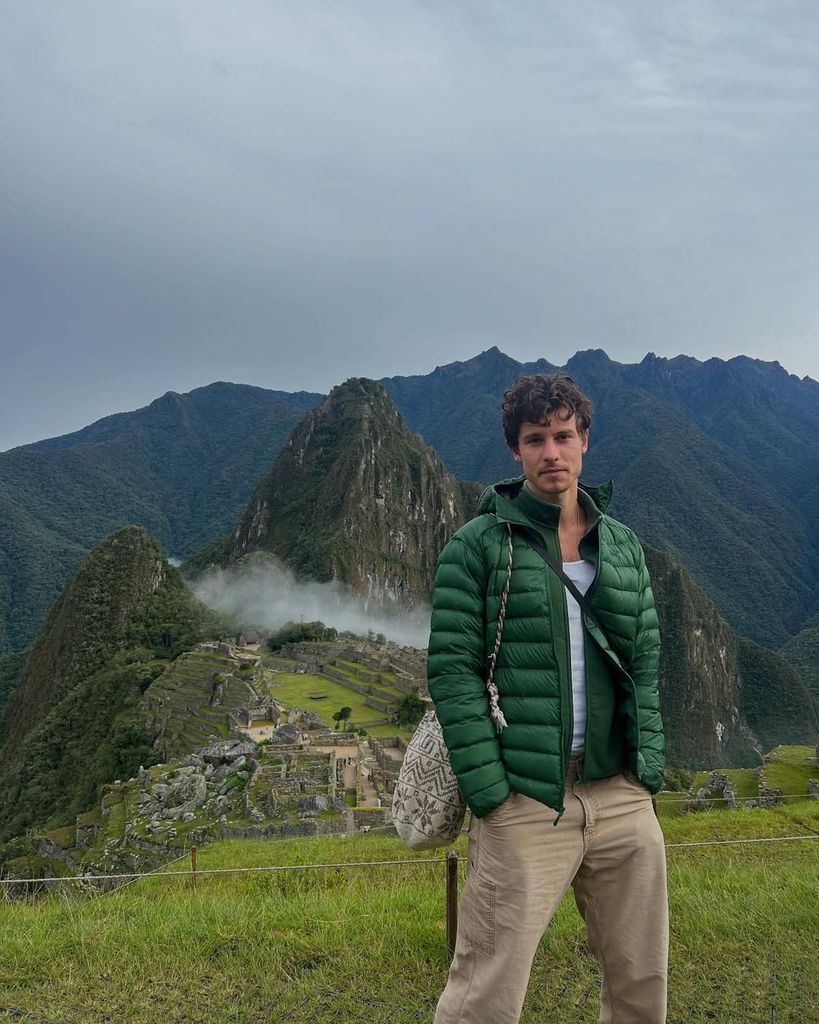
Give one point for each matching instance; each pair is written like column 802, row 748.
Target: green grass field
column 295, row 690
column 367, row 944
column 744, row 780
column 789, row 770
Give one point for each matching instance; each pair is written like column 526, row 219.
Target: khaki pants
column 608, row 846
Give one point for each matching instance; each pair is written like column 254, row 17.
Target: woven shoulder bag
column 428, row 807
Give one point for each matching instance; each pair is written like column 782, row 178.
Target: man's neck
column 566, row 500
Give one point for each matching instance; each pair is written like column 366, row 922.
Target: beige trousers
column 608, row 846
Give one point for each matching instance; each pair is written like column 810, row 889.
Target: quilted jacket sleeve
column 645, row 673
column 455, row 670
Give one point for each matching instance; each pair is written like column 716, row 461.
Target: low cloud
column 263, row 595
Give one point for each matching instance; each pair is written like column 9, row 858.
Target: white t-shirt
column 581, row 574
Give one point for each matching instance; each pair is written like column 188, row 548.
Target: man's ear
column 515, row 453
column 584, row 441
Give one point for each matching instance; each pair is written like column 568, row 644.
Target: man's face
column 551, row 455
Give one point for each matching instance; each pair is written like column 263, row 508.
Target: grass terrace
column 790, row 769
column 324, row 697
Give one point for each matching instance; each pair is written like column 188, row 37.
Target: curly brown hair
column 534, row 399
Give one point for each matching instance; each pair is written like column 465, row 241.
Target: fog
column 264, row 595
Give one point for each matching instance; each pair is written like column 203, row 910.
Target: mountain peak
column 355, row 496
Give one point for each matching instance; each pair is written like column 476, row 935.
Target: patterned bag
column 428, row 807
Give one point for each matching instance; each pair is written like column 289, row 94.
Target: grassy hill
column 363, row 944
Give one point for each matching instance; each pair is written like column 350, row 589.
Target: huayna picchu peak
column 354, row 496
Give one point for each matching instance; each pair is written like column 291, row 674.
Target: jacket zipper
column 586, row 648
column 568, row 694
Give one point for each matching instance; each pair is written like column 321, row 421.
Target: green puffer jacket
column 529, row 756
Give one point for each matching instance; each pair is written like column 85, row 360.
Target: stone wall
column 45, row 848
column 387, row 707
column 388, row 765
column 290, row 830
column 371, row 816
column 718, row 784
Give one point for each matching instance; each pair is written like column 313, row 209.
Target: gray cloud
column 288, row 194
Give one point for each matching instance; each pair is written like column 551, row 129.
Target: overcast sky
column 291, row 193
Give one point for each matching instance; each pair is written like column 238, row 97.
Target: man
column 561, row 793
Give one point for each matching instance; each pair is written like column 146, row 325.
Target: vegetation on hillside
column 74, row 721
column 410, row 711
column 183, row 468
column 802, row 651
column 11, row 667
column 776, row 703
column 355, row 496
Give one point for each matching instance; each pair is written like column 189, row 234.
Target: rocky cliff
column 355, row 496
column 724, row 699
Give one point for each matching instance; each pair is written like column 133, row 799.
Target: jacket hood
column 511, row 502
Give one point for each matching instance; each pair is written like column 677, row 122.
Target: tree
column 342, row 716
column 410, row 711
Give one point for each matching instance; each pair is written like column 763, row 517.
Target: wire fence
column 339, row 865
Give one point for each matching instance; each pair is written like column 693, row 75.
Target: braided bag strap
column 491, row 688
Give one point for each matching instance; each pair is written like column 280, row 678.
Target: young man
column 561, row 795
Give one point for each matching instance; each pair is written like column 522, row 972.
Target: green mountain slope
column 11, row 667
column 73, row 721
column 183, row 467
column 776, row 702
column 802, row 652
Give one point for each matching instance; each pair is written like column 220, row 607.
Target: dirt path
column 367, row 765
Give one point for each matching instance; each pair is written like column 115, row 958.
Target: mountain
column 724, row 699
column 802, row 653
column 716, row 462
column 341, row 493
column 456, row 409
column 183, row 467
column 72, row 721
column 355, row 496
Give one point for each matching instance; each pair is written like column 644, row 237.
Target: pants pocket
column 632, row 778
column 477, row 913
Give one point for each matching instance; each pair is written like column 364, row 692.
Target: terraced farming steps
column 191, row 700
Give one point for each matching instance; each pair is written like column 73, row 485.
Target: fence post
column 193, row 866
column 451, row 900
